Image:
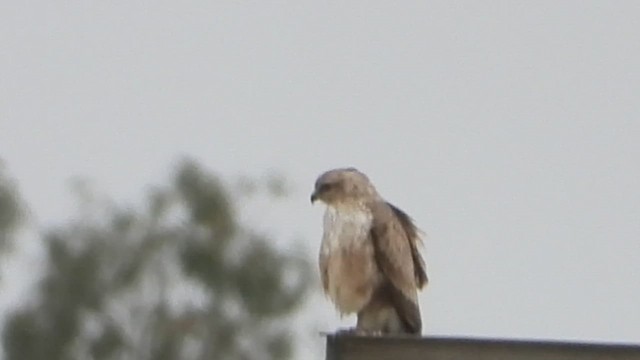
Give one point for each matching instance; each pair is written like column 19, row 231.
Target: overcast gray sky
column 508, row 129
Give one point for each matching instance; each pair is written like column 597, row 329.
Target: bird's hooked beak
column 314, row 197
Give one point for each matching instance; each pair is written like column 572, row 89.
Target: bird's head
column 343, row 185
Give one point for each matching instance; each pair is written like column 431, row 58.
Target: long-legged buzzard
column 369, row 260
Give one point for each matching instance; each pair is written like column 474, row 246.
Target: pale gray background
column 508, row 129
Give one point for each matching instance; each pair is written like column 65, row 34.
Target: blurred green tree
column 11, row 210
column 182, row 279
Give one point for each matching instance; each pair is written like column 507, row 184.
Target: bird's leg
column 366, row 332
column 367, row 324
column 354, row 331
column 349, row 331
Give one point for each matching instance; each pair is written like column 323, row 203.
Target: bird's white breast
column 345, row 227
column 351, row 273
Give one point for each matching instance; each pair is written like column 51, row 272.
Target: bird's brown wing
column 394, row 258
column 412, row 232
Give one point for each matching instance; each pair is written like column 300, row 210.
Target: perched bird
column 369, row 260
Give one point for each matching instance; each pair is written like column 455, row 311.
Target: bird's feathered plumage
column 369, row 258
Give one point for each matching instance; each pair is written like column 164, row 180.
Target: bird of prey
column 369, row 260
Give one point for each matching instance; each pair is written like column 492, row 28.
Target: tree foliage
column 180, row 279
column 11, row 209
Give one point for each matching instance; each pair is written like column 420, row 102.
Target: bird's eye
column 325, row 187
